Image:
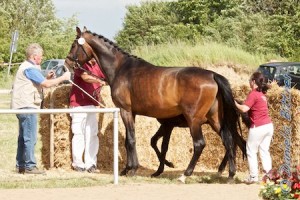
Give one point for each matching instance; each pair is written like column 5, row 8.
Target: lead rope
column 100, row 104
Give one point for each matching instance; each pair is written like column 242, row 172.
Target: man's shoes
column 33, row 170
column 251, row 180
column 92, row 169
column 20, row 170
column 79, row 169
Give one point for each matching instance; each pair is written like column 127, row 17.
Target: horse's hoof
column 156, row 174
column 124, row 172
column 219, row 174
column 131, row 172
column 230, row 180
column 170, row 164
column 181, row 179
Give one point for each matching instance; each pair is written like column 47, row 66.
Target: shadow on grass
column 171, row 176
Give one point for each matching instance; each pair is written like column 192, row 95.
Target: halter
column 81, row 41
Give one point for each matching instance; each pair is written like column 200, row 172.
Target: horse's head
column 80, row 51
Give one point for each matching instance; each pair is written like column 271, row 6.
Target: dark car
column 276, row 70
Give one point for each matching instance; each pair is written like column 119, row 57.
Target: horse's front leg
column 130, row 144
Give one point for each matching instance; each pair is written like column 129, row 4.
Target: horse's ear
column 78, row 31
column 84, row 29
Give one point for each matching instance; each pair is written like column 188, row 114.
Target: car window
column 45, row 65
column 285, row 70
column 295, row 70
column 52, row 64
column 268, row 71
column 59, row 71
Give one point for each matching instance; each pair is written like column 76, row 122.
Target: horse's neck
column 110, row 63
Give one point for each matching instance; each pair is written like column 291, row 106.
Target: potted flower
column 276, row 187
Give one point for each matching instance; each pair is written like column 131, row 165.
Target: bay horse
column 189, row 94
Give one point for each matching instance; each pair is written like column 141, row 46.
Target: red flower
column 296, row 186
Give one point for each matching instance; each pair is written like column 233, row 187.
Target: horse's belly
column 158, row 113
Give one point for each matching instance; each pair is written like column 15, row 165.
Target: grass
column 58, row 178
column 182, row 54
column 5, row 80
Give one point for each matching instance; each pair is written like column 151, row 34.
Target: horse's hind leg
column 164, row 131
column 238, row 141
column 215, row 122
column 199, row 144
column 223, row 164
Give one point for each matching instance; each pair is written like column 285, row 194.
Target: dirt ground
column 139, row 192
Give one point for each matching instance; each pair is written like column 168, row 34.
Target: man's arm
column 51, row 82
column 36, row 76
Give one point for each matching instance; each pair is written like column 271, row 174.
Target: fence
column 5, row 65
column 115, row 112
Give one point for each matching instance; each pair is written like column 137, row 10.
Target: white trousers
column 259, row 139
column 85, row 141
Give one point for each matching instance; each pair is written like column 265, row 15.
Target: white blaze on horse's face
column 81, row 41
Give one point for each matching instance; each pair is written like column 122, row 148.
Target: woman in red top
column 85, row 125
column 261, row 129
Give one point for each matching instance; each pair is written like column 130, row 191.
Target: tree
column 3, row 32
column 153, row 23
column 270, row 26
column 35, row 20
column 272, row 7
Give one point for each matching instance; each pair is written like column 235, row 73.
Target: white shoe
column 251, row 180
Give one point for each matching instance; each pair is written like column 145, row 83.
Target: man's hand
column 67, row 75
column 51, row 74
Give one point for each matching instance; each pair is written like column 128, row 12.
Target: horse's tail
column 230, row 115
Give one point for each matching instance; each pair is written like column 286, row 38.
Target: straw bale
column 180, row 148
column 56, row 98
column 277, row 148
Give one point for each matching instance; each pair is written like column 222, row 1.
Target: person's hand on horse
column 102, row 83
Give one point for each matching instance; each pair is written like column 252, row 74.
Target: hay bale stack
column 56, row 98
column 180, row 148
column 277, row 148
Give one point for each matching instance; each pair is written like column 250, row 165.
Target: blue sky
column 104, row 17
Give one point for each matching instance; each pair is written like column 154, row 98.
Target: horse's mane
column 114, row 45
